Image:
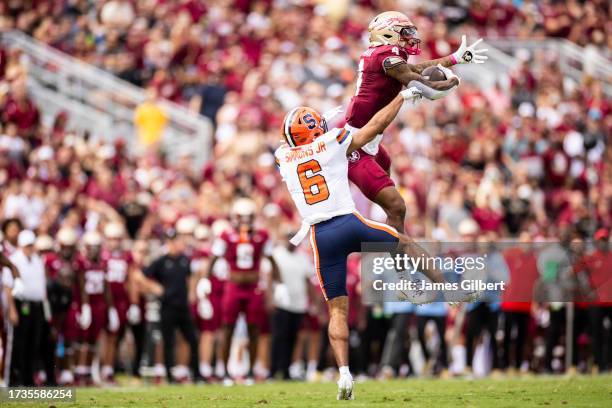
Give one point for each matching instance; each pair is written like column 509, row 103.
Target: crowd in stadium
column 531, row 160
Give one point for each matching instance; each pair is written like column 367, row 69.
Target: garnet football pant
column 370, row 173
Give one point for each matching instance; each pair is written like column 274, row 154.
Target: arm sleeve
column 428, row 92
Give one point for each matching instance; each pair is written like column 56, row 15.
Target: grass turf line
column 547, row 391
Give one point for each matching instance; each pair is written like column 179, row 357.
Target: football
column 434, row 73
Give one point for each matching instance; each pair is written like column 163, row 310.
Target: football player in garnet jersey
column 120, row 265
column 207, row 307
column 243, row 248
column 96, row 303
column 383, row 71
column 62, row 286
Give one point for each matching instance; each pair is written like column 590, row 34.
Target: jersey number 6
column 313, row 184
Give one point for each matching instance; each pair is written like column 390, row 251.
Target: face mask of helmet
column 410, row 37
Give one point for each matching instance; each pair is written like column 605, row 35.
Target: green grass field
column 579, row 391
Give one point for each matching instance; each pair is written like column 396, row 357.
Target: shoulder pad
column 392, row 61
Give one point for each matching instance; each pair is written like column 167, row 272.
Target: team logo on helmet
column 302, row 125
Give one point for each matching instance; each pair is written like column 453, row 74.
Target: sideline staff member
column 28, row 334
column 173, row 272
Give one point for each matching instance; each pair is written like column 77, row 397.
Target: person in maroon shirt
column 105, row 186
column 597, row 267
column 243, row 247
column 20, row 110
column 119, row 266
column 516, row 299
column 209, row 292
column 94, row 302
column 61, row 277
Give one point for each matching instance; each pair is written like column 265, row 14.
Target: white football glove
column 332, row 113
column 18, row 288
column 133, row 314
column 205, row 309
column 448, row 73
column 113, row 319
column 411, row 94
column 85, row 316
column 203, row 288
column 467, row 55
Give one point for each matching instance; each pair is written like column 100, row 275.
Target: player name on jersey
column 307, row 151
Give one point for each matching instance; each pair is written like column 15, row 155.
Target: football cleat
column 416, row 296
column 227, row 381
column 345, row 388
column 463, row 296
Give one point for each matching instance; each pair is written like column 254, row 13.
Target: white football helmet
column 394, row 28
column 113, row 230
column 244, row 207
column 43, row 243
column 92, row 239
column 67, row 237
column 186, row 224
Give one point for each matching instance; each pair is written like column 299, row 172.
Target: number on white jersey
column 94, row 282
column 313, row 184
column 117, row 270
column 244, row 256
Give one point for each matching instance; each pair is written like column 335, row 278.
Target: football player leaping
column 383, row 70
column 314, row 165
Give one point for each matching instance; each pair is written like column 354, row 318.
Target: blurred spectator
column 150, row 120
column 173, row 273
column 291, row 298
column 27, row 341
column 533, row 156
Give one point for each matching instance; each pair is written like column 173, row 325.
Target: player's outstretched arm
column 382, row 119
column 444, row 61
column 464, row 55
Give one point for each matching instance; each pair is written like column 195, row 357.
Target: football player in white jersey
column 314, row 165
